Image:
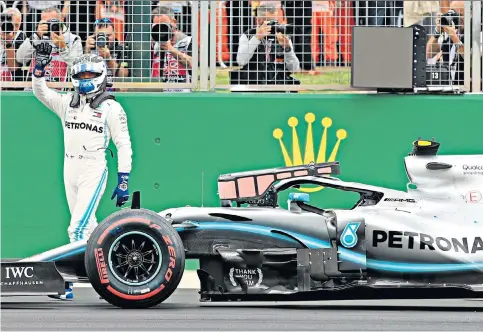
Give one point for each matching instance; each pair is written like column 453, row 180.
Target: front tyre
column 134, row 259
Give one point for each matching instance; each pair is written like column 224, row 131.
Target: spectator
column 32, row 11
column 259, row 51
column 173, row 57
column 278, row 4
column 113, row 10
column 182, row 13
column 424, row 13
column 323, row 20
column 176, row 6
column 222, row 31
column 66, row 45
column 11, row 37
column 345, row 20
column 105, row 44
column 447, row 43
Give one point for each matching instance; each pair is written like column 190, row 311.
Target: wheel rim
column 135, row 258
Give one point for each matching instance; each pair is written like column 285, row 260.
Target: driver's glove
column 121, row 190
column 43, row 49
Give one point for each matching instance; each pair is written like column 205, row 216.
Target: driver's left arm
column 117, row 123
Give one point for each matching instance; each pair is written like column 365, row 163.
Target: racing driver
column 90, row 117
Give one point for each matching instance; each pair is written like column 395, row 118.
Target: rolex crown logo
column 309, row 153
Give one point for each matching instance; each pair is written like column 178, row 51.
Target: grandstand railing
column 215, row 28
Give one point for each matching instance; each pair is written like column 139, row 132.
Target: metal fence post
column 220, row 36
column 204, row 33
column 196, row 46
column 477, row 45
column 467, row 45
column 213, row 44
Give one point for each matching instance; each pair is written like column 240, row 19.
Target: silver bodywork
column 444, row 212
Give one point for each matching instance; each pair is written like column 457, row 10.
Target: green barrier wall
column 177, row 138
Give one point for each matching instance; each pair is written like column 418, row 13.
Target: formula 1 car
column 423, row 243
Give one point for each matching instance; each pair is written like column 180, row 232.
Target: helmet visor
column 86, row 71
column 86, row 75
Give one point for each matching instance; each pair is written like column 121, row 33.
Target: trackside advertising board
column 182, row 143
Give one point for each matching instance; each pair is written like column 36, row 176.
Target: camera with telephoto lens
column 161, row 33
column 101, row 40
column 450, row 18
column 276, row 28
column 6, row 22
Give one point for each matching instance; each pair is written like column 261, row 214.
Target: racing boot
column 67, row 296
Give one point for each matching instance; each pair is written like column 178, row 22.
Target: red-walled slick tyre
column 134, row 259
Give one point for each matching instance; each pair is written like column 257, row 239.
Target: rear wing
column 252, row 185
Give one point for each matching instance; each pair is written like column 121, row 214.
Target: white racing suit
column 87, row 133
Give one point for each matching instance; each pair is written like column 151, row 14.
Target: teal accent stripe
column 67, row 254
column 106, row 142
column 345, row 254
column 105, row 133
column 87, row 214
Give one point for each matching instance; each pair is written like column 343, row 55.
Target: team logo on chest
column 84, row 126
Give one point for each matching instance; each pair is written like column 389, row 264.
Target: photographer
column 66, row 45
column 105, row 44
column 446, row 46
column 11, row 37
column 172, row 49
column 267, row 56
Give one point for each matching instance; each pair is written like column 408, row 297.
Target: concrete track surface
column 183, row 312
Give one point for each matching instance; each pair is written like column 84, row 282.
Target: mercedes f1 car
column 425, row 242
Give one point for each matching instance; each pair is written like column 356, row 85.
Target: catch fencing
column 220, row 39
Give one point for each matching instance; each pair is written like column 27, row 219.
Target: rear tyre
column 134, row 259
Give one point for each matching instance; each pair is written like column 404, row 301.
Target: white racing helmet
column 89, row 63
